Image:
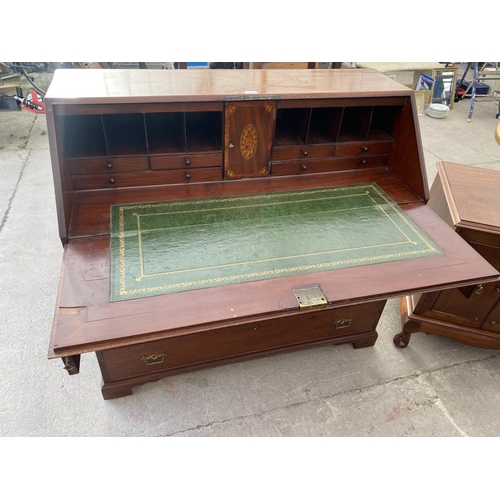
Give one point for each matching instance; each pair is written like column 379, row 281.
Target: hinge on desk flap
column 253, row 97
column 310, row 296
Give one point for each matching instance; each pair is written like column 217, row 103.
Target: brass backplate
column 310, row 296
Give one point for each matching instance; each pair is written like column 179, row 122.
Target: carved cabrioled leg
column 409, row 326
column 402, row 339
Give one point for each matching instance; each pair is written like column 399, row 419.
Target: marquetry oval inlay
column 248, row 141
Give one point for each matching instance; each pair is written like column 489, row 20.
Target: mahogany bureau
column 159, row 174
column 468, row 199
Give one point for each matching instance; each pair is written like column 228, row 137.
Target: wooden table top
column 84, row 86
column 473, row 195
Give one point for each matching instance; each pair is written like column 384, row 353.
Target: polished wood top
column 473, row 195
column 84, row 86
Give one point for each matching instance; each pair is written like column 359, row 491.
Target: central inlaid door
column 248, row 138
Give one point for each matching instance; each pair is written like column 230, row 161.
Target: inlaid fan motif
column 248, row 141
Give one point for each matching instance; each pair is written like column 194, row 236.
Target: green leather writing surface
column 173, row 246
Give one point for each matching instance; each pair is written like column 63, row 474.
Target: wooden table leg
column 408, row 325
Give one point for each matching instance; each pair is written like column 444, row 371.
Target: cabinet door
column 492, row 322
column 248, row 138
column 452, row 306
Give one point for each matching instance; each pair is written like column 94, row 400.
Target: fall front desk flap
column 167, row 247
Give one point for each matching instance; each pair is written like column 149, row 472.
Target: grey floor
column 434, row 387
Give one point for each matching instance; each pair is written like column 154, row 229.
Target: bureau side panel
column 63, row 186
column 407, row 158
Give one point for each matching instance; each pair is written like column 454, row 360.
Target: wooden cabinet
column 467, row 198
column 224, row 156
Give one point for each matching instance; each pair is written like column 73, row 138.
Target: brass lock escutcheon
column 342, row 323
column 154, row 359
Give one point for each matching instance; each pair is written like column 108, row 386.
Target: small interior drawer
column 149, row 178
column 108, row 164
column 363, row 148
column 232, row 341
column 328, row 165
column 188, row 175
column 303, row 152
column 163, row 162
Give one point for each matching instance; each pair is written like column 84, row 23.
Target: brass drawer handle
column 154, row 359
column 342, row 323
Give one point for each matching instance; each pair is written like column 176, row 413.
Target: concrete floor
column 434, row 387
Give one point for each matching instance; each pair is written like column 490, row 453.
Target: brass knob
column 364, row 148
column 303, row 167
column 493, row 322
column 363, row 162
column 187, row 162
column 112, row 180
column 188, row 176
column 109, row 166
column 305, row 153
